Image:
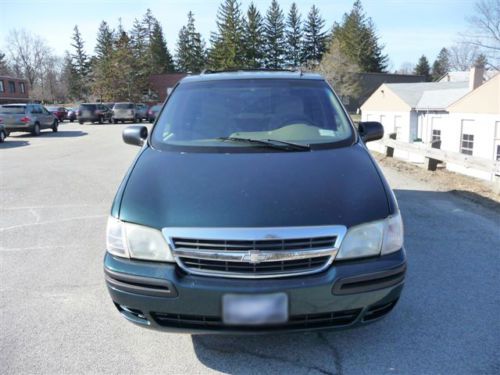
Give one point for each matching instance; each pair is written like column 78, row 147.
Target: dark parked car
column 153, row 111
column 94, row 112
column 72, row 114
column 31, row 118
column 60, row 112
column 254, row 206
column 3, row 133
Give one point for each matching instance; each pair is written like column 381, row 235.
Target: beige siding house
column 462, row 114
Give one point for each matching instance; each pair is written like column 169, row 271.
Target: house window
column 436, row 135
column 498, row 153
column 12, row 86
column 2, row 89
column 22, row 87
column 467, row 144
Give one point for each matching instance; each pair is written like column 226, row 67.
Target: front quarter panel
column 115, row 207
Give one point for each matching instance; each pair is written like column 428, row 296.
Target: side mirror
column 135, row 135
column 370, row 131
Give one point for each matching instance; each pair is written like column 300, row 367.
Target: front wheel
column 55, row 126
column 36, row 130
column 2, row 136
column 80, row 122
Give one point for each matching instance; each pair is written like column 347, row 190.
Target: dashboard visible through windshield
column 225, row 112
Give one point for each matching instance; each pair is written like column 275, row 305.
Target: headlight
column 136, row 241
column 372, row 239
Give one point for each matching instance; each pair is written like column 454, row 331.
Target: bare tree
column 406, row 68
column 484, row 33
column 28, row 53
column 342, row 74
column 463, row 55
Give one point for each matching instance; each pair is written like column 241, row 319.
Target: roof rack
column 213, row 71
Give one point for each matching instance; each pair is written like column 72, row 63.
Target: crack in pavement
column 337, row 359
column 240, row 350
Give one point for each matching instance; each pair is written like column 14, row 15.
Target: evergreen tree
column 253, row 27
column 358, row 40
column 422, row 68
column 4, row 67
column 127, row 83
column 161, row 59
column 314, row 37
column 481, row 60
column 294, row 38
column 441, row 65
column 274, row 37
column 227, row 51
column 190, row 48
column 104, row 45
column 81, row 66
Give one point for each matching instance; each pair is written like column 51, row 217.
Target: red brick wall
column 6, row 96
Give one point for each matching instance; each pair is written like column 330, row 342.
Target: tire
column 71, row 120
column 123, row 122
column 55, row 126
column 2, row 136
column 110, row 121
column 36, row 130
column 115, row 121
column 80, row 122
column 100, row 120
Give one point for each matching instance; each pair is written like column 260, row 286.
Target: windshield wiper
column 274, row 143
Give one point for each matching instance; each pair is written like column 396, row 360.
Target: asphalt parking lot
column 56, row 316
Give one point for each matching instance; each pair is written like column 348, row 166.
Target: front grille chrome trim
column 253, row 256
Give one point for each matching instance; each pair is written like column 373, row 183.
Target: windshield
column 13, row 109
column 300, row 111
column 124, row 106
column 88, row 106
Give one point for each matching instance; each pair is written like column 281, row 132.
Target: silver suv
column 31, row 118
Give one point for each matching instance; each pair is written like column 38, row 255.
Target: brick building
column 13, row 90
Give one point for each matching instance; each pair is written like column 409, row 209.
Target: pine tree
column 227, row 51
column 190, row 48
column 441, row 65
column 274, row 36
column 161, row 59
column 481, row 60
column 294, row 38
column 314, row 37
column 358, row 40
column 422, row 68
column 4, row 67
column 253, row 27
column 81, row 66
column 104, row 45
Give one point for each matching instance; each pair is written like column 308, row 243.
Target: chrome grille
column 254, row 252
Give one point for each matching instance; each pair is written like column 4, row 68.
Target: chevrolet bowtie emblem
column 254, row 257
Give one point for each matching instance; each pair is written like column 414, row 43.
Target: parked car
column 3, row 132
column 72, row 114
column 141, row 112
column 94, row 112
column 60, row 112
column 30, row 118
column 254, row 206
column 153, row 111
column 124, row 112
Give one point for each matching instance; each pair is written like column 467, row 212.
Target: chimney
column 476, row 77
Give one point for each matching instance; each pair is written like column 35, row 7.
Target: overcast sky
column 407, row 28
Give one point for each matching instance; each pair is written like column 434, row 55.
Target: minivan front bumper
column 161, row 296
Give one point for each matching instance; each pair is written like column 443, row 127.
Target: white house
column 454, row 111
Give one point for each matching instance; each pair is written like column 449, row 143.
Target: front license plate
column 255, row 309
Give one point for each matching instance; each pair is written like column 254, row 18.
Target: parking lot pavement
column 56, row 316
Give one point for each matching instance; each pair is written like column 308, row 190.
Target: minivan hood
column 269, row 189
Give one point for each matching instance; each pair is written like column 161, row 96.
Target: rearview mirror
column 370, row 131
column 135, row 135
